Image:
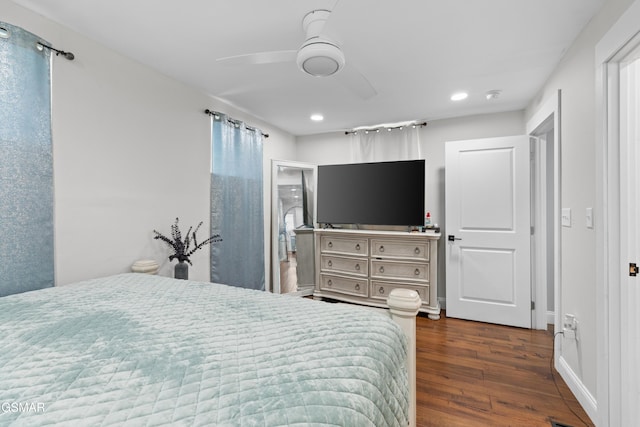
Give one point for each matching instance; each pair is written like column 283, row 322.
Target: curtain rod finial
column 70, row 56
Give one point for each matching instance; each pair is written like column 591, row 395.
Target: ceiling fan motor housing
column 320, row 58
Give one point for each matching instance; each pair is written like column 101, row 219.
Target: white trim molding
column 613, row 407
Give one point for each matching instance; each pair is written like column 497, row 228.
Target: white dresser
column 363, row 266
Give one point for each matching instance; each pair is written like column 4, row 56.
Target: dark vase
column 181, row 271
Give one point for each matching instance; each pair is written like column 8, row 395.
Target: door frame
column 613, row 409
column 546, row 119
column 274, row 283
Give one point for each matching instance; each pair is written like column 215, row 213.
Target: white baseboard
column 585, row 398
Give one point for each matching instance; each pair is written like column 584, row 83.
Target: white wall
column 334, row 148
column 575, row 77
column 131, row 153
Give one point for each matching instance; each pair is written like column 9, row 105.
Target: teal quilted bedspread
column 141, row 350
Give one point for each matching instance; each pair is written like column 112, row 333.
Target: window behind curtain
column 26, row 163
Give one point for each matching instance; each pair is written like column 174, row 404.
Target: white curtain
column 386, row 145
column 237, row 210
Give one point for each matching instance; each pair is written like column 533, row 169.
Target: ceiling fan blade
column 329, row 31
column 260, row 58
column 356, row 82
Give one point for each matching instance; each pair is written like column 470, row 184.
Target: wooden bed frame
column 403, row 308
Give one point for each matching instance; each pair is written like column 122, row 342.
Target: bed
column 137, row 349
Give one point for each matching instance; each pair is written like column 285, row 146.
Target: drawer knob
column 330, row 263
column 330, row 244
column 357, row 246
column 329, row 282
column 381, row 248
column 381, row 290
column 417, row 272
column 357, row 286
column 417, row 251
column 358, row 267
column 381, row 269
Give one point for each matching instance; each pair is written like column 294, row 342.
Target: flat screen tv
column 381, row 193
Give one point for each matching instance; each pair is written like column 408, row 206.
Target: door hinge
column 633, row 269
column 532, row 230
column 533, row 305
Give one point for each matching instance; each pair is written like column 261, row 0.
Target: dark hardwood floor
column 476, row 374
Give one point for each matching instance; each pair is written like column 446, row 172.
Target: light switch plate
column 566, row 217
column 589, row 218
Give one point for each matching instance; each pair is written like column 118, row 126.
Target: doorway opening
column 544, row 132
column 293, row 218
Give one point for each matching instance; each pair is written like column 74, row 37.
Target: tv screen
column 382, row 193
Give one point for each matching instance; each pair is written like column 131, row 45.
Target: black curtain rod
column 234, row 121
column 388, row 128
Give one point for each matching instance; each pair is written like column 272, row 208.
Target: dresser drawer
column 338, row 264
column 418, row 250
column 343, row 245
column 384, row 269
column 381, row 290
column 344, row 285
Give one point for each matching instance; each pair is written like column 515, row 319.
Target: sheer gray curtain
column 26, row 163
column 237, row 210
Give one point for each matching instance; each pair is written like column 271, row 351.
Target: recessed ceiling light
column 317, row 117
column 459, row 96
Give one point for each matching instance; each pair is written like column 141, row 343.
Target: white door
column 487, row 203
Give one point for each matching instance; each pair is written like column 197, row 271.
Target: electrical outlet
column 570, row 322
column 570, row 327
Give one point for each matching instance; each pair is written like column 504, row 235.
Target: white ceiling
column 415, row 53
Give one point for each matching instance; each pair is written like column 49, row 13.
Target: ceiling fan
column 319, row 56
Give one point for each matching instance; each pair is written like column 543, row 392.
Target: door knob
column 451, row 238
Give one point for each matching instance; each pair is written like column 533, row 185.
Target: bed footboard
column 403, row 307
